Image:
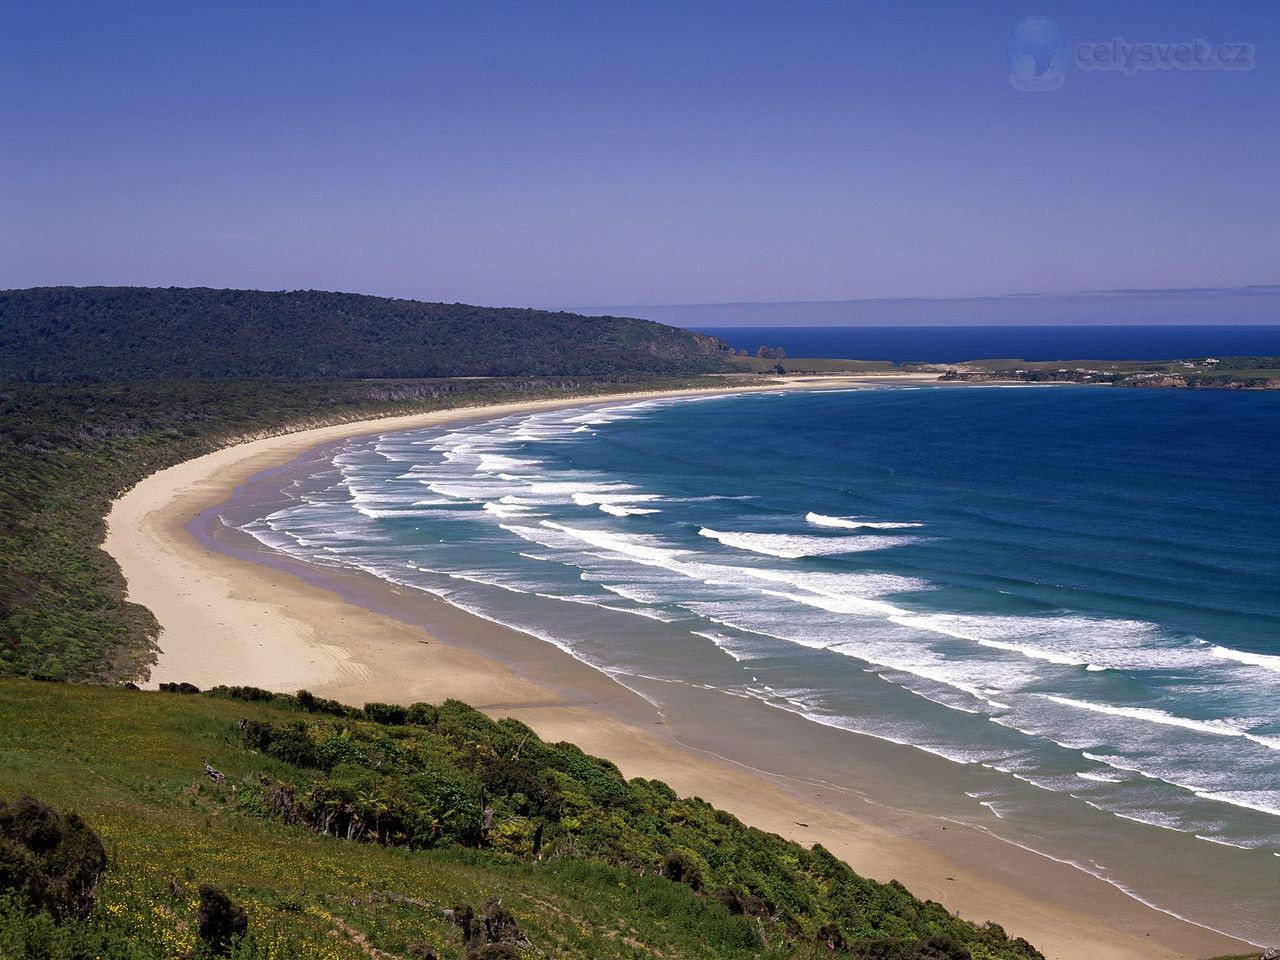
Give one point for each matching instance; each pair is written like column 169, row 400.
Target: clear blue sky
column 627, row 153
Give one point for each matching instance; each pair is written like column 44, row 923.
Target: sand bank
column 230, row 616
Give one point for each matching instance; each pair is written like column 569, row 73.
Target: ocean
column 951, row 344
column 1060, row 604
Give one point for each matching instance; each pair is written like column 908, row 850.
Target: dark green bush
column 248, row 694
column 940, row 948
column 183, row 687
column 386, row 713
column 49, row 860
column 422, row 714
column 681, row 868
column 312, row 704
column 220, row 921
column 288, row 742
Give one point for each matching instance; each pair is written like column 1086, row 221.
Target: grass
column 131, row 764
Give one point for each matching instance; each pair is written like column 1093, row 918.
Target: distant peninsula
column 1200, row 373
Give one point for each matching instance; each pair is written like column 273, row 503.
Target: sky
column 575, row 154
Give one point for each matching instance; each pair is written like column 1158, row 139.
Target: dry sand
column 226, row 619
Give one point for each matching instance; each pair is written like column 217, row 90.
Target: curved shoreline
column 231, row 615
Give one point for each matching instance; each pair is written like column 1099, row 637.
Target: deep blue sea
column 952, row 344
column 1072, row 595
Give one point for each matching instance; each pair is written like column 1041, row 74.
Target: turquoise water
column 1069, row 593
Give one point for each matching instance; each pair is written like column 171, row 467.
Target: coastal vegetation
column 99, row 334
column 1204, row 373
column 427, row 830
column 810, row 365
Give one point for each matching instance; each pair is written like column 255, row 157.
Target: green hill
column 61, row 334
column 357, row 834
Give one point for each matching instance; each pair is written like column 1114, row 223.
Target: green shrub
column 387, row 713
column 940, row 948
column 682, row 868
column 219, row 920
column 291, row 743
column 51, row 861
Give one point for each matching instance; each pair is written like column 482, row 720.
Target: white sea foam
column 951, row 626
column 617, row 511
column 838, row 585
column 1244, row 656
column 592, row 498
column 941, row 700
column 375, row 513
column 465, row 489
column 1150, row 818
column 571, row 488
column 497, row 463
column 990, row 805
column 1068, row 640
column 797, row 705
column 1130, row 766
column 794, row 546
column 871, row 644
column 1218, row 728
column 588, row 601
column 1224, row 843
column 268, row 536
column 730, row 645
column 1263, row 801
column 855, row 523
column 634, row 593
column 642, row 548
column 844, row 604
column 509, row 510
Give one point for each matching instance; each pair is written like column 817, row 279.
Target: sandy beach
column 232, row 614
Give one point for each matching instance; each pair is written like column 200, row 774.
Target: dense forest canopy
column 87, row 334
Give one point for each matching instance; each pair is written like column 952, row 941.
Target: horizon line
column 1247, row 289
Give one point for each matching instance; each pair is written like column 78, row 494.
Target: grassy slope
column 131, row 763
